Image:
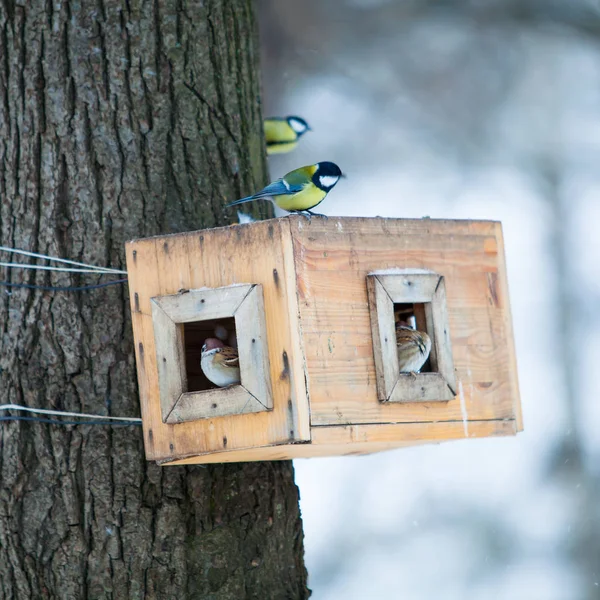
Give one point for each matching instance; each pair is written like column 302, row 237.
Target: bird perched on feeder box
column 282, row 134
column 413, row 348
column 300, row 190
column 220, row 363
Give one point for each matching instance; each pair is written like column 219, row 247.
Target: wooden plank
column 426, row 319
column 482, row 326
column 170, row 359
column 208, row 404
column 361, row 439
column 217, row 258
column 334, row 257
column 465, row 287
column 189, row 306
column 385, row 354
column 174, row 271
column 142, row 275
column 339, row 262
column 409, row 288
column 421, row 387
column 498, row 283
column 476, row 326
column 444, row 363
column 423, row 319
column 299, row 410
column 252, row 347
column 335, row 385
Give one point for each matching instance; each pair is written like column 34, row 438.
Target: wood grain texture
column 251, row 326
column 217, row 258
column 208, row 404
column 381, row 308
column 501, row 298
column 333, row 258
column 442, row 344
column 354, row 440
column 410, row 288
column 188, row 306
column 420, row 387
column 170, row 359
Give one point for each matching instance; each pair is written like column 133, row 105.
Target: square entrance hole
column 194, row 336
column 415, row 315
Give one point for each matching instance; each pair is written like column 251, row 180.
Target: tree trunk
column 100, row 142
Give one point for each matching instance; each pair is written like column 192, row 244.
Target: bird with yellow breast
column 282, row 134
column 300, row 190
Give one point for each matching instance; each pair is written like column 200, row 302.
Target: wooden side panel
column 333, row 258
column 410, row 288
column 252, row 339
column 233, row 400
column 170, row 360
column 498, row 284
column 353, row 440
column 420, row 387
column 441, row 336
column 203, row 304
column 381, row 309
column 253, row 253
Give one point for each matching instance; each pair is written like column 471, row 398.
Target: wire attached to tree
column 58, row 422
column 48, row 411
column 78, row 267
column 88, row 268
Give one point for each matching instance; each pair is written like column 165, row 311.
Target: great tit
column 301, row 189
column 282, row 134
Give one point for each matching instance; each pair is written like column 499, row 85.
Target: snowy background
column 463, row 109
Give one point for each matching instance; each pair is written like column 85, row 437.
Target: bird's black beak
column 344, row 176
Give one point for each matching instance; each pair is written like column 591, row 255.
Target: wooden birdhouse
column 314, row 307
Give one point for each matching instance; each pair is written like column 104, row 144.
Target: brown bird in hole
column 413, row 347
column 220, row 363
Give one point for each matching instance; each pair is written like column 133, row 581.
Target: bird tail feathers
column 242, row 201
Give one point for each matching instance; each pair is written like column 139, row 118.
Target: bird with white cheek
column 301, row 189
column 282, row 134
column 220, row 363
column 413, row 347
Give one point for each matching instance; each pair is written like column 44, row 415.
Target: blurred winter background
column 482, row 109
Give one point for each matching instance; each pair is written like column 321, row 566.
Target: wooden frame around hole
column 245, row 304
column 410, row 287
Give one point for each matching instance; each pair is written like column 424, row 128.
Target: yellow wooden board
column 333, row 258
column 216, row 258
column 353, row 440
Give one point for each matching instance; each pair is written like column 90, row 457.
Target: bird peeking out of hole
column 220, row 363
column 413, row 347
column 282, row 134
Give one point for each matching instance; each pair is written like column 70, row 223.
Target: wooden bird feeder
column 313, row 305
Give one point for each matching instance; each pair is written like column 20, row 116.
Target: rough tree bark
column 100, row 142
